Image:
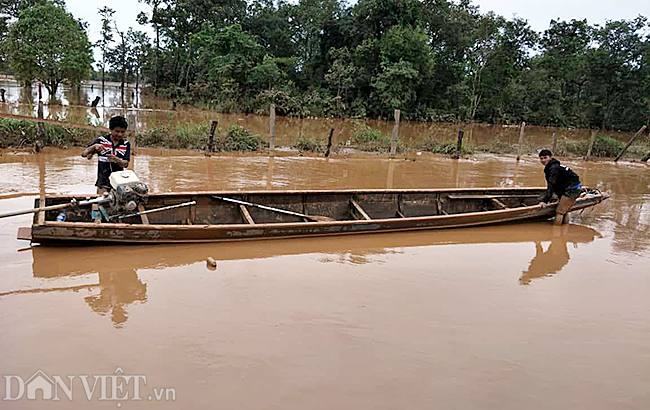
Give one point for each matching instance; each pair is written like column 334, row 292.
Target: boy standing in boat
column 561, row 181
column 113, row 153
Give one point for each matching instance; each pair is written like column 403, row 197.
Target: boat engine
column 128, row 191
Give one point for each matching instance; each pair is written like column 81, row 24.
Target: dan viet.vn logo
column 116, row 387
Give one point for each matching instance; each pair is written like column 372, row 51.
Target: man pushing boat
column 113, row 152
column 561, row 181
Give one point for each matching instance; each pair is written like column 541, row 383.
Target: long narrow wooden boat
column 212, row 219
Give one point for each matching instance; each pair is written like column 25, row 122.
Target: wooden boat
column 213, row 219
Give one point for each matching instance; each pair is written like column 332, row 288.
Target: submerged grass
column 308, row 144
column 19, row 133
column 431, row 144
column 366, row 138
column 194, row 135
column 604, row 146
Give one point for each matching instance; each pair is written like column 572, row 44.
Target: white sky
column 538, row 13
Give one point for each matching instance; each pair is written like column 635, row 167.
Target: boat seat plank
column 359, row 210
column 499, row 204
column 246, row 215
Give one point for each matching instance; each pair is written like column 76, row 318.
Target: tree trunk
column 156, row 74
column 103, row 81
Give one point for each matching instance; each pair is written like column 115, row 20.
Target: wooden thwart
column 499, row 204
column 247, row 216
column 144, row 217
column 359, row 210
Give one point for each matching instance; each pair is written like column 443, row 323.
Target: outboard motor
column 128, row 191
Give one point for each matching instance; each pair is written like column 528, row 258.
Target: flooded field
column 147, row 111
column 508, row 317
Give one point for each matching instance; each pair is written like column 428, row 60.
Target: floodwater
column 521, row 316
column 147, row 111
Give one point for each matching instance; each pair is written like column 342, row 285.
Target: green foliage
column 604, row 146
column 18, row 133
column 308, row 144
column 239, row 138
column 369, row 139
column 436, row 60
column 431, row 144
column 497, row 147
column 47, row 44
column 195, row 136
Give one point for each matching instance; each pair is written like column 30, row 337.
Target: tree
column 140, row 51
column 407, row 62
column 105, row 42
column 119, row 58
column 227, row 57
column 614, row 74
column 155, row 20
column 12, row 8
column 47, row 44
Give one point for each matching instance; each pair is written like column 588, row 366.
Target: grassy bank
column 194, row 136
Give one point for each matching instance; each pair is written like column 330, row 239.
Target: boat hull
column 408, row 205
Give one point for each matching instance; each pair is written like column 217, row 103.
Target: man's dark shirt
column 559, row 178
column 122, row 150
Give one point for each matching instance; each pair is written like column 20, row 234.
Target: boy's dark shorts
column 572, row 192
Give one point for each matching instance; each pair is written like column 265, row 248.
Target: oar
column 71, row 204
column 315, row 218
column 150, row 211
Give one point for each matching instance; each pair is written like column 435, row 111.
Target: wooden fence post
column 210, row 148
column 554, row 144
column 133, row 126
column 272, row 131
column 40, row 129
column 329, row 143
column 639, row 132
column 459, row 144
column 591, row 145
column 393, row 143
column 521, row 140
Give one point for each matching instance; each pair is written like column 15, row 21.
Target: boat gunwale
column 317, row 192
column 541, row 211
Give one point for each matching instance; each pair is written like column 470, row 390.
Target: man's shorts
column 568, row 199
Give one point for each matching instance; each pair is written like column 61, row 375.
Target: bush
column 448, row 148
column 17, row 133
column 238, row 138
column 604, row 146
column 370, row 139
column 497, row 147
column 310, row 144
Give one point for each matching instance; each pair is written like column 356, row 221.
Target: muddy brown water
column 520, row 316
column 147, row 111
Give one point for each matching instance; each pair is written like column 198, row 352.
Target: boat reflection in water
column 117, row 266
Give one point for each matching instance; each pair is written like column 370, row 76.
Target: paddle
column 315, row 218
